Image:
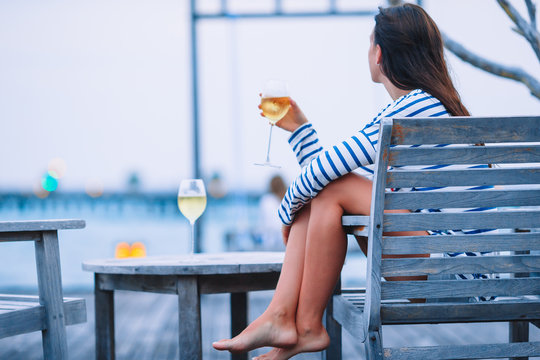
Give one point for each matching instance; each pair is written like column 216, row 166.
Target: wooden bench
column 512, row 142
column 48, row 312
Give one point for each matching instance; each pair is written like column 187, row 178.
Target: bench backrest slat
column 466, row 177
column 462, row 199
column 465, row 154
column 460, row 130
column 393, row 245
column 461, row 265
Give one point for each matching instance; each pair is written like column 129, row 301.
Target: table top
column 196, row 264
column 40, row 225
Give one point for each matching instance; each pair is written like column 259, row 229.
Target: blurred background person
column 269, row 224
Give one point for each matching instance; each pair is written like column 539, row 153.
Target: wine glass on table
column 192, row 202
column 275, row 102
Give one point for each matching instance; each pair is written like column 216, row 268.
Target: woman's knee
column 346, row 191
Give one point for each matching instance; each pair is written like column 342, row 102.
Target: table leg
column 239, row 318
column 104, row 321
column 189, row 311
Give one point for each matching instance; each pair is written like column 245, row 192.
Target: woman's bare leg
column 325, row 253
column 326, row 248
column 276, row 326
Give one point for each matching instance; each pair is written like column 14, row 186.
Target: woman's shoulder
column 416, row 103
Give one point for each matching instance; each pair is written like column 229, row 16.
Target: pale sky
column 105, row 85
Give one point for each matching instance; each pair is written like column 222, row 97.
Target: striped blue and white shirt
column 357, row 153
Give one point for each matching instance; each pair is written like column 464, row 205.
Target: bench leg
column 374, row 345
column 334, row 351
column 104, row 307
column 51, row 296
column 518, row 331
column 239, row 318
column 189, row 312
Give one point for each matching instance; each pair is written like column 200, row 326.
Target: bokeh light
column 57, row 168
column 39, row 191
column 48, row 182
column 94, row 187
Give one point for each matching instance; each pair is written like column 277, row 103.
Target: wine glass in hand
column 275, row 103
column 192, row 202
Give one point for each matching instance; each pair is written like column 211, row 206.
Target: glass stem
column 192, row 238
column 269, row 142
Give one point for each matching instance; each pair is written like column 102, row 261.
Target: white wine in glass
column 275, row 103
column 192, row 202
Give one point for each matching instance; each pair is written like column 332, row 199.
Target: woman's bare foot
column 274, row 330
column 309, row 341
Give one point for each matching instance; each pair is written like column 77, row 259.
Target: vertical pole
column 195, row 112
column 189, row 316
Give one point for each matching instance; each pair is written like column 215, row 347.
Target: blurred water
column 162, row 232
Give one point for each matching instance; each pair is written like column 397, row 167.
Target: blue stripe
column 283, row 221
column 310, row 154
column 424, row 109
column 308, row 144
column 298, row 189
column 310, row 185
column 304, row 184
column 482, row 187
column 353, row 155
column 304, row 138
column 409, row 105
column 342, row 159
column 286, row 212
column 298, row 131
column 435, row 167
column 480, row 209
column 366, row 155
column 444, row 112
column 315, row 177
column 322, row 169
column 332, row 164
column 376, row 131
column 367, row 169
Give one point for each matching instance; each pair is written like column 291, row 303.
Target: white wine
column 275, row 108
column 192, row 206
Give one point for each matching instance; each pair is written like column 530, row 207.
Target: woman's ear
column 378, row 54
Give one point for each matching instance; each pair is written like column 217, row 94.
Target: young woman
column 406, row 56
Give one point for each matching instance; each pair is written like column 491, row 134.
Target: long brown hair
column 412, row 54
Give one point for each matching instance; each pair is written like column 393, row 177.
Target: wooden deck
column 146, row 328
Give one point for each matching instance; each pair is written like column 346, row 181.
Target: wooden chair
column 513, row 142
column 48, row 312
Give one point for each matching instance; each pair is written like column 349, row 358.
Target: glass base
column 269, row 164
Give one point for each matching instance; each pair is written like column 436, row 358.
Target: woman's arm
column 327, row 165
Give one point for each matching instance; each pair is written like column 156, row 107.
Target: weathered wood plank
column 239, row 318
column 349, row 316
column 464, row 154
column 20, row 236
column 463, row 352
column 461, row 199
column 459, row 288
column 40, row 225
column 198, row 264
column 189, row 314
column 461, row 265
column 148, row 283
column 50, row 295
column 230, row 283
column 463, row 220
column 31, row 317
column 393, row 245
column 450, row 312
column 465, row 177
column 104, row 321
column 411, row 131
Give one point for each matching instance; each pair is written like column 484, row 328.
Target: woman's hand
column 293, row 119
column 285, row 231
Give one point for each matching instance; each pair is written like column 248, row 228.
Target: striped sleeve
column 324, row 167
column 320, row 167
column 305, row 144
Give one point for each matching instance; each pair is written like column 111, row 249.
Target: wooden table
column 189, row 277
